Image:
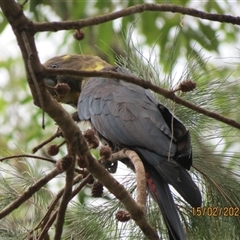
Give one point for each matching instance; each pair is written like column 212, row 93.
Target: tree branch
column 28, row 156
column 136, row 212
column 32, row 74
column 140, row 177
column 29, row 192
column 80, row 171
column 145, row 84
column 47, row 221
column 139, row 170
column 57, row 134
column 65, row 199
column 67, row 25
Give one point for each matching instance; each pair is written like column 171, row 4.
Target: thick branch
column 140, row 176
column 70, row 130
column 139, row 170
column 136, row 212
column 56, row 26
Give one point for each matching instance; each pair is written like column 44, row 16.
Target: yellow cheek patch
column 65, row 57
column 95, row 67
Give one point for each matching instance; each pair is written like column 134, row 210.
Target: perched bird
column 128, row 116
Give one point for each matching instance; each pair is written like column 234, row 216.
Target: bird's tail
column 161, row 193
column 174, row 174
column 160, row 172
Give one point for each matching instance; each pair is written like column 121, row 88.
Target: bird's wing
column 127, row 115
column 124, row 114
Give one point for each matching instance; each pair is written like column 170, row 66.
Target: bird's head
column 75, row 83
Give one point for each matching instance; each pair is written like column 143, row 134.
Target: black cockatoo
column 128, row 116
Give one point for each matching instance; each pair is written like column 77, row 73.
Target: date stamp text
column 216, row 211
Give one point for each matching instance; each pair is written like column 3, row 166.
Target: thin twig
column 65, row 200
column 55, row 135
column 55, row 201
column 80, row 171
column 22, row 4
column 48, row 225
column 48, row 219
column 74, row 193
column 32, row 74
column 67, row 25
column 28, row 156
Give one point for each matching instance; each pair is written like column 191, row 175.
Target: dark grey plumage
column 129, row 116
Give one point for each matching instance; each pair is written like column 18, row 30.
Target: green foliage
column 17, row 176
column 81, row 220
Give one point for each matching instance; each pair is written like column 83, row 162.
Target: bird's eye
column 54, row 66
